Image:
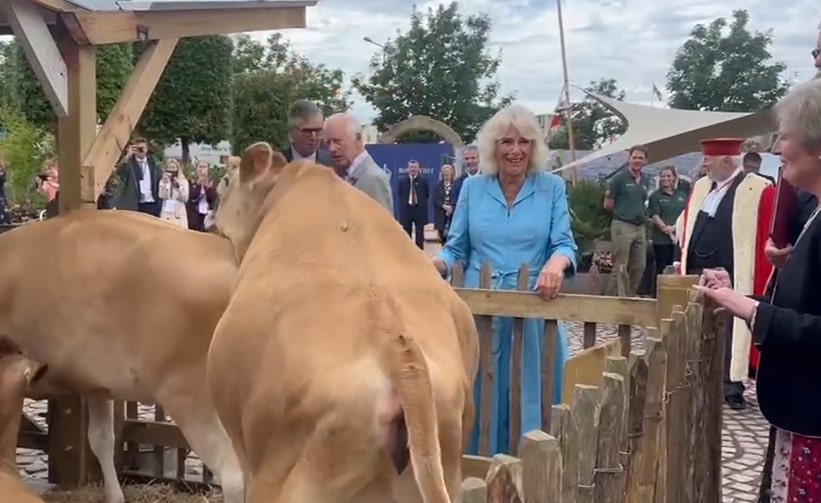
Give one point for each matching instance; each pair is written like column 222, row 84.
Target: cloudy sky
column 633, row 41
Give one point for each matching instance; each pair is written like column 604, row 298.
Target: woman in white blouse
column 173, row 192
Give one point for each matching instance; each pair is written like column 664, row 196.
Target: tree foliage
column 590, row 222
column 114, row 65
column 192, row 101
column 724, row 66
column 23, row 147
column 441, row 68
column 269, row 78
column 593, row 123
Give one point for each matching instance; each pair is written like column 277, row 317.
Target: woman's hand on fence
column 551, row 276
column 715, row 278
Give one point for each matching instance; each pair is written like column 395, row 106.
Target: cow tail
column 411, row 378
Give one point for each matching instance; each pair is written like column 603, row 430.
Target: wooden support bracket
column 115, row 133
column 29, row 26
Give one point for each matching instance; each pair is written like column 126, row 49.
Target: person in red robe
column 726, row 225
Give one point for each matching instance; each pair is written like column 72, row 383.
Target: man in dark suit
column 470, row 167
column 305, row 121
column 139, row 179
column 414, row 193
column 751, row 163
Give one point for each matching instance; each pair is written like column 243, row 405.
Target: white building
column 370, row 134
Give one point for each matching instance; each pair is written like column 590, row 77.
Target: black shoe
column 735, row 402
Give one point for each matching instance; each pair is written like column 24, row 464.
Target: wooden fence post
column 714, row 333
column 644, row 489
column 504, row 480
column 676, row 408
column 639, row 369
column 542, row 468
column 696, row 440
column 585, row 414
column 70, row 461
column 564, row 429
column 484, row 325
column 474, row 490
column 610, row 471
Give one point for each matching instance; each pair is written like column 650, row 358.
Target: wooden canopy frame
column 60, row 39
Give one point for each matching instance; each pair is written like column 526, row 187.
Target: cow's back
column 107, row 281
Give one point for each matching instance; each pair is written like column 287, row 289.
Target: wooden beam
column 581, row 308
column 115, row 133
column 29, row 26
column 55, row 5
column 76, row 132
column 98, row 28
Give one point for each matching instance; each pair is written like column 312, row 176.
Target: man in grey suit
column 353, row 163
column 304, row 129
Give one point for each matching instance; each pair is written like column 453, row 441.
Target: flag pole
column 653, row 94
column 566, row 90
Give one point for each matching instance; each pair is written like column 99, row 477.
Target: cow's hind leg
column 101, row 440
column 201, row 427
column 339, row 460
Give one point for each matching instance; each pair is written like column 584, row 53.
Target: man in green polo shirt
column 665, row 205
column 626, row 198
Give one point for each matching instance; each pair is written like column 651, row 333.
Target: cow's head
column 238, row 214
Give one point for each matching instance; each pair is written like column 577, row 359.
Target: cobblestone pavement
column 744, row 439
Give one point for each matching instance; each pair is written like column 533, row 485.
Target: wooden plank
column 153, row 433
column 635, row 423
column 653, row 417
column 101, row 28
column 504, row 480
column 714, row 330
column 626, row 337
column 487, row 368
column 516, row 367
column 610, row 472
column 696, row 445
column 676, row 409
column 580, row 308
column 671, row 291
column 589, row 335
column 551, row 341
column 475, row 466
column 563, row 429
column 586, row 367
column 32, row 440
column 474, row 490
column 585, row 414
column 542, row 468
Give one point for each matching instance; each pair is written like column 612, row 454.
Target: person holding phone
column 173, row 192
column 139, row 180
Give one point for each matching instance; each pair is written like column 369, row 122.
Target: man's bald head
column 344, row 136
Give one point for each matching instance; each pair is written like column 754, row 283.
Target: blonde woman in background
column 443, row 201
column 173, row 192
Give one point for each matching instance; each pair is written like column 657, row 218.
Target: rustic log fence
column 647, row 429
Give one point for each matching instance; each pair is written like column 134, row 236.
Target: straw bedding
column 150, row 493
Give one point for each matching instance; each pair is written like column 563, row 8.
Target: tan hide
column 15, row 373
column 338, row 320
column 121, row 305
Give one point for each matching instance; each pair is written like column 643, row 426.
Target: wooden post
column 504, row 480
column 542, row 468
column 70, row 456
column 714, row 332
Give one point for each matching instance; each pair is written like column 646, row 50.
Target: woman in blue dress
column 513, row 213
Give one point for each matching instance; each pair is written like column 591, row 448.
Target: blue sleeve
column 457, row 246
column 561, row 241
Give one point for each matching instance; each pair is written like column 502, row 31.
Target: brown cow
column 120, row 305
column 16, row 371
column 342, row 354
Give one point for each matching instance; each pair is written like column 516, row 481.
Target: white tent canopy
column 668, row 132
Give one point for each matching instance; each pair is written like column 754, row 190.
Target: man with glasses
column 305, row 121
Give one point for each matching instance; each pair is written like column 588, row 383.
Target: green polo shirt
column 629, row 197
column 668, row 207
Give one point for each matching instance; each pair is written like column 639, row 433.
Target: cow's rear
column 343, row 366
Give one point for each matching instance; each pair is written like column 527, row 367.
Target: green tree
column 271, row 76
column 8, row 75
column 192, row 101
column 726, row 67
column 114, row 65
column 593, row 123
column 440, row 68
column 24, row 147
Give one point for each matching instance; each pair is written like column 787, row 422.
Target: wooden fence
column 632, row 434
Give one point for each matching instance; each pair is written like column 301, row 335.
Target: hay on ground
column 149, row 493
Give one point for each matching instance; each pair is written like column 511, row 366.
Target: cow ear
column 255, row 160
column 8, row 347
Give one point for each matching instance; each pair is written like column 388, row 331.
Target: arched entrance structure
column 423, row 123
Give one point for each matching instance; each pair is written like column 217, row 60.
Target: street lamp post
column 381, row 46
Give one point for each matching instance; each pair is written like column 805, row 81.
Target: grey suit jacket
column 368, row 177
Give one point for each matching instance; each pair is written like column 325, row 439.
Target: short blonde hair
column 800, row 112
column 494, row 129
column 442, row 171
column 171, row 161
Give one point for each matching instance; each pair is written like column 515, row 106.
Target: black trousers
column 152, row 209
column 663, row 256
column 414, row 217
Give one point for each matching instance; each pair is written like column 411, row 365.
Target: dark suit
column 196, row 220
column 322, row 156
column 787, row 331
column 130, row 174
column 414, row 214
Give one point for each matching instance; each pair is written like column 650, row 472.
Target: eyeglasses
column 815, row 53
column 310, row 131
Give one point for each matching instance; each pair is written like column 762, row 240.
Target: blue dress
column 535, row 228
